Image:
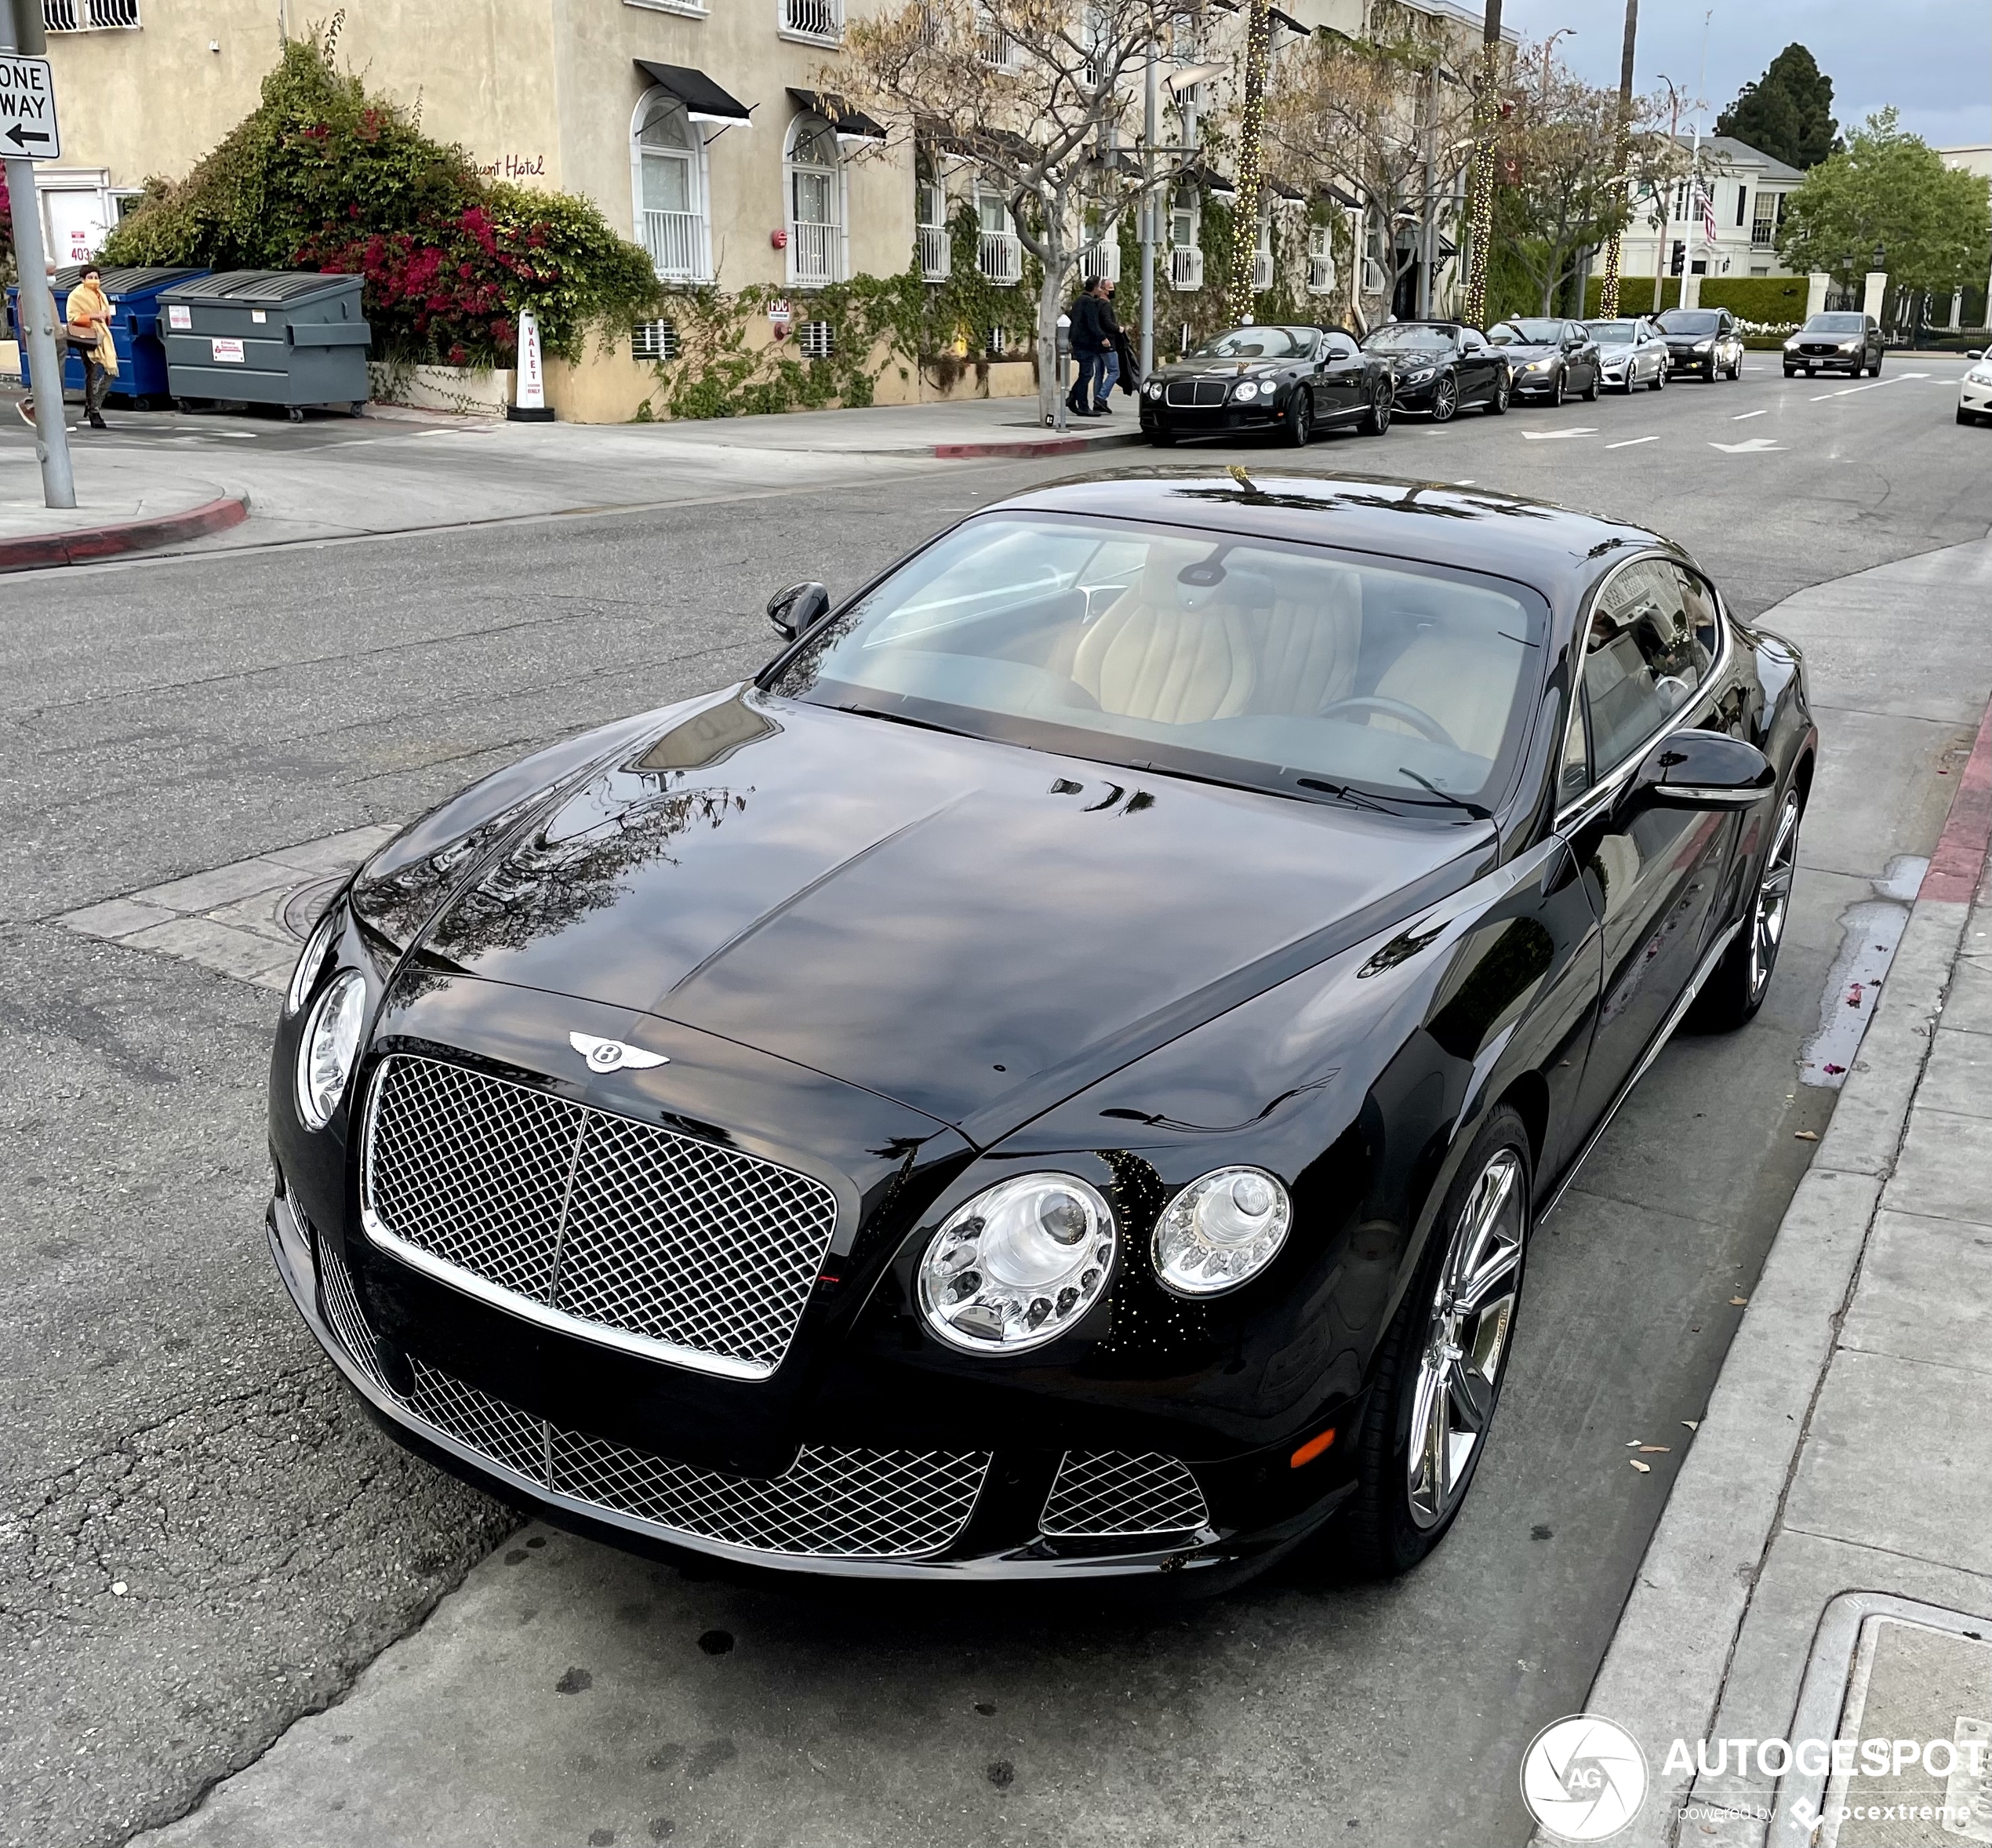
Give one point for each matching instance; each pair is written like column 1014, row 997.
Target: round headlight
column 1245, row 391
column 1221, row 1230
column 331, row 1043
column 1153, row 387
column 1017, row 1265
column 305, row 976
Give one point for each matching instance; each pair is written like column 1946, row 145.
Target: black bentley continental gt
column 1291, row 382
column 1058, row 1074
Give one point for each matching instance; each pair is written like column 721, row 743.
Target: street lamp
column 1881, row 257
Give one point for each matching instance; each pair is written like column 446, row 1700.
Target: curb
column 1023, row 448
column 84, row 545
column 1668, row 1660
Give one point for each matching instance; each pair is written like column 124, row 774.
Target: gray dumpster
column 292, row 337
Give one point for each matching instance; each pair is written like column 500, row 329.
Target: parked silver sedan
column 1633, row 352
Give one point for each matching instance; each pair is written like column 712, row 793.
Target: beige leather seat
column 1305, row 645
column 1149, row 657
column 1466, row 682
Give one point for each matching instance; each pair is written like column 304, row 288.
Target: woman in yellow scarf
column 89, row 331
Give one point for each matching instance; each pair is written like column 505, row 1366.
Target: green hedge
column 1753, row 298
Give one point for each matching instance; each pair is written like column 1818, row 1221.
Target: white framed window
column 90, row 16
column 999, row 251
column 1101, row 263
column 667, row 159
column 936, row 247
column 994, row 45
column 1186, row 256
column 818, row 241
column 1262, row 250
column 1320, row 260
column 817, row 22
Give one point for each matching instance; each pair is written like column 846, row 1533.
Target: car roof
column 1556, row 550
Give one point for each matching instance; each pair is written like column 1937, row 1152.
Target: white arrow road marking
column 1756, row 446
column 1741, row 415
column 1631, row 441
column 1553, row 435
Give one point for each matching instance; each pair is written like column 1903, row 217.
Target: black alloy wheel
column 1377, row 419
column 1557, row 392
column 1497, row 405
column 1300, row 419
column 1441, row 1367
column 1590, row 389
column 1445, row 399
column 1736, row 990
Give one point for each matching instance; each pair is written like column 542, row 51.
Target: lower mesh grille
column 828, row 1504
column 1104, row 1494
column 1203, row 394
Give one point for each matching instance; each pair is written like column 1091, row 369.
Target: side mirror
column 1973, row 353
column 1698, row 769
column 796, row 609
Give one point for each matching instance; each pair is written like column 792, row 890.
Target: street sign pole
column 37, row 303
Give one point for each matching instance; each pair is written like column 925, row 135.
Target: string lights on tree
column 1239, row 293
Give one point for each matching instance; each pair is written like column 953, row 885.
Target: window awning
column 1280, row 189
column 850, row 125
column 703, row 99
column 1288, row 21
column 1210, row 180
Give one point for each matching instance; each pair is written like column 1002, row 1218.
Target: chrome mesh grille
column 828, row 1504
column 584, row 1216
column 1101, row 1494
column 1203, row 394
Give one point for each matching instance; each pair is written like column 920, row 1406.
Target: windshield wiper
column 1342, row 792
column 1164, row 769
column 926, row 725
column 1447, row 797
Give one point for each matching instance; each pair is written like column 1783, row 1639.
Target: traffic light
column 1678, row 261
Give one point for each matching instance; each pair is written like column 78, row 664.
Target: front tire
column 1497, row 405
column 1445, row 400
column 1558, row 391
column 1590, row 389
column 1658, row 382
column 1742, row 978
column 1376, row 420
column 1442, row 1361
column 1965, row 416
column 1300, row 421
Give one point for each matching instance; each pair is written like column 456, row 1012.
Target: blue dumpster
column 135, row 330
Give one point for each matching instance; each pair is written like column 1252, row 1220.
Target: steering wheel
column 1423, row 722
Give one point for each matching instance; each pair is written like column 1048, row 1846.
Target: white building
column 1745, row 192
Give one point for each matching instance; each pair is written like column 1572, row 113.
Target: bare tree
column 1044, row 97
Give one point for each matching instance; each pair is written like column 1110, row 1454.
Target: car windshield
column 1410, row 339
column 1532, row 333
column 1288, row 668
column 1258, row 343
column 1612, row 333
column 1837, row 324
column 1687, row 320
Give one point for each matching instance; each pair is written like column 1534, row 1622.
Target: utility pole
column 1607, row 300
column 36, row 306
column 1425, row 243
column 1487, row 109
column 1660, row 262
column 1150, row 111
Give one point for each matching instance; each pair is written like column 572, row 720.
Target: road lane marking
column 1877, row 384
column 1740, row 415
column 1630, row 441
column 1553, row 435
column 1755, row 446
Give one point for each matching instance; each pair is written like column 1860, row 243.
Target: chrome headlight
column 305, row 976
column 1018, row 1265
column 1417, row 375
column 1245, row 391
column 330, row 1045
column 1791, row 345
column 1980, row 375
column 1539, row 366
column 1221, row 1230
column 1704, row 346
column 1153, row 387
column 1850, row 346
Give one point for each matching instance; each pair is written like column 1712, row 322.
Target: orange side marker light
column 1311, row 1449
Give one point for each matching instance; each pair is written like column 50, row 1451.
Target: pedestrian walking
column 1090, row 346
column 1130, row 381
column 87, row 335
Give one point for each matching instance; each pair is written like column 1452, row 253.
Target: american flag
column 1708, row 212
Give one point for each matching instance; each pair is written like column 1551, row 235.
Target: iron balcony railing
column 936, row 252
column 1000, row 256
column 1102, row 263
column 677, row 244
column 1321, row 275
column 1186, row 267
column 813, row 252
column 90, row 16
column 1262, row 270
column 814, row 19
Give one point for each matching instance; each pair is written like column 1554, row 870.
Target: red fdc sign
column 27, row 110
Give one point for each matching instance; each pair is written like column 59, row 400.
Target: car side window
column 1574, row 777
column 1647, row 652
column 1339, row 346
column 1472, row 342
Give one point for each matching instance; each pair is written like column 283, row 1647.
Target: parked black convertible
column 1291, row 382
column 1059, row 1073
column 1439, row 366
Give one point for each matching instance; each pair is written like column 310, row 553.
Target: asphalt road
column 200, row 1539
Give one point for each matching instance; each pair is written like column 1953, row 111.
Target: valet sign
column 27, row 109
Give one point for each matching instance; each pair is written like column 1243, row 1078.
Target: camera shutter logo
column 1584, row 1778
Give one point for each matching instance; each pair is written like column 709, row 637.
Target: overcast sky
column 1932, row 59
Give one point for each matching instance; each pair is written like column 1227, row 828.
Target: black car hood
column 1226, row 369
column 1526, row 349
column 973, row 928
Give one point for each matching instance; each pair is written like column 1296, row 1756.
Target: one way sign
column 27, row 110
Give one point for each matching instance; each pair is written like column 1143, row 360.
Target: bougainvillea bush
column 321, row 176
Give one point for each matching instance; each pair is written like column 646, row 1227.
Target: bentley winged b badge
column 612, row 1055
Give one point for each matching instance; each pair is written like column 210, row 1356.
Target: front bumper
column 898, row 1509
column 1184, row 420
column 1974, row 399
column 1849, row 363
column 1527, row 383
column 1691, row 363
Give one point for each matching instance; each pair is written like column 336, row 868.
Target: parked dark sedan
column 1548, row 359
column 1057, row 1074
column 1293, row 380
column 1704, row 340
column 1836, row 343
column 1440, row 365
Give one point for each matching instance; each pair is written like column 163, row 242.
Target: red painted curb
column 1024, row 448
column 1959, row 861
column 84, row 544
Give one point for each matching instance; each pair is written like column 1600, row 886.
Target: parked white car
column 1975, row 391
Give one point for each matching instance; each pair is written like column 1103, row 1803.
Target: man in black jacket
column 1090, row 346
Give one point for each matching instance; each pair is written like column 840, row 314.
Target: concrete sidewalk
column 1823, row 1570
column 396, row 470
